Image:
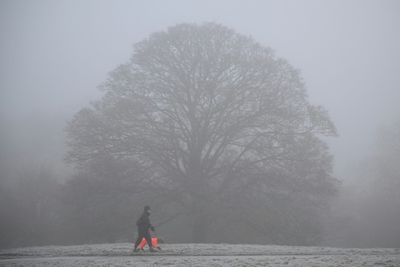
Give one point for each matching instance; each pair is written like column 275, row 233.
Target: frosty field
column 197, row 255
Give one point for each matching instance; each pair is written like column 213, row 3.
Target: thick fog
column 55, row 54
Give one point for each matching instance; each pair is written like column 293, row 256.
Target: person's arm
column 150, row 226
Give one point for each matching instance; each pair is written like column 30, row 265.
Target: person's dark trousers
column 146, row 235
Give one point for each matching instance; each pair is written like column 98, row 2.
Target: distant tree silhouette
column 215, row 121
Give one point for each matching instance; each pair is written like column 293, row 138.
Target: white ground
column 113, row 255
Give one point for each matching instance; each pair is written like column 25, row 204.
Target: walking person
column 144, row 226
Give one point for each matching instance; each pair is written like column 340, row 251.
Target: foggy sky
column 55, row 53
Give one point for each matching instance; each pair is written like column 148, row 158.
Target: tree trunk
column 199, row 230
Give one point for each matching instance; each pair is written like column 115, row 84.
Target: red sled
column 154, row 242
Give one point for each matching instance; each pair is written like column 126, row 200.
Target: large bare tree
column 206, row 113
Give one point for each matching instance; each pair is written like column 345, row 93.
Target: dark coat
column 143, row 223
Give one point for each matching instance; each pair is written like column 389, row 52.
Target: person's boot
column 152, row 249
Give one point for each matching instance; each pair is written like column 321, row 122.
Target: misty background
column 54, row 54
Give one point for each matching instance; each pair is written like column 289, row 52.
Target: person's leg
column 147, row 236
column 139, row 239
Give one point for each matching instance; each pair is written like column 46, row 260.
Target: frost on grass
column 197, row 255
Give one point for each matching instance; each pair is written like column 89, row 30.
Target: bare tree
column 205, row 110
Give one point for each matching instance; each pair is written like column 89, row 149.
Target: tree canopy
column 211, row 119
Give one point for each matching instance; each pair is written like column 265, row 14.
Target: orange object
column 154, row 242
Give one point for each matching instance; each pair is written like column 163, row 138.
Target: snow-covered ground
column 197, row 255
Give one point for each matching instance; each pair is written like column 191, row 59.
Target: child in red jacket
column 154, row 242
